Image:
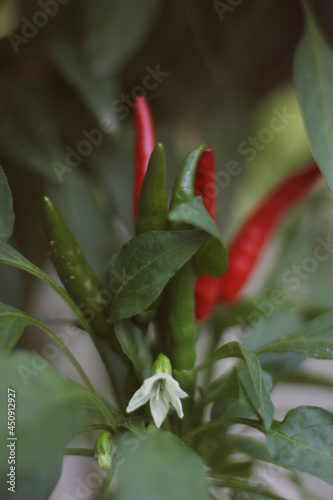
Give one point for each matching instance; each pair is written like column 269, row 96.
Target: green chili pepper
column 183, row 189
column 180, row 324
column 73, row 269
column 153, row 202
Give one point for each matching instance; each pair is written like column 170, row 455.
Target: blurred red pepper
column 248, row 244
column 206, row 287
column 145, row 143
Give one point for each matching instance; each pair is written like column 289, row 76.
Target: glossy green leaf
column 142, row 268
column 135, row 346
column 314, row 339
column 261, row 383
column 212, row 258
column 160, row 467
column 304, row 440
column 6, row 209
column 313, row 76
column 47, row 419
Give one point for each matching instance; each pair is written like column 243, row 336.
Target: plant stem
column 67, row 352
column 103, row 408
column 82, row 452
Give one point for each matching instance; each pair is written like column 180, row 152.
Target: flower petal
column 159, row 410
column 177, row 404
column 173, row 387
column 141, row 396
column 138, row 399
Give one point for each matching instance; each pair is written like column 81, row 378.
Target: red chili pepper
column 145, row 143
column 206, row 287
column 245, row 249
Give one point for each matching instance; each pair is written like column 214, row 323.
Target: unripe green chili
column 179, row 295
column 153, row 201
column 181, row 325
column 183, row 188
column 73, row 269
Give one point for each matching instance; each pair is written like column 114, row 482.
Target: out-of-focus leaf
column 47, row 416
column 6, row 210
column 314, row 339
column 323, row 12
column 160, row 467
column 313, row 75
column 108, row 25
column 28, row 135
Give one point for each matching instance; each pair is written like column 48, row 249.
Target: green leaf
column 97, row 93
column 193, row 212
column 250, row 446
column 6, row 210
column 212, row 258
column 11, row 327
column 10, row 256
column 243, row 395
column 32, row 139
column 259, row 380
column 161, row 467
column 274, row 324
column 107, row 26
column 47, row 419
column 145, row 264
column 260, row 385
column 12, row 324
column 239, row 485
column 304, row 440
column 323, row 11
column 313, row 76
column 314, row 339
column 135, row 346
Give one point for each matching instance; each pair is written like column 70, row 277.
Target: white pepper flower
column 161, row 389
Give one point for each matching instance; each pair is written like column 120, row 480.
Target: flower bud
column 161, row 365
column 103, row 450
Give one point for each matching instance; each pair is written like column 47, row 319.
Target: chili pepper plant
column 191, row 357
column 168, row 423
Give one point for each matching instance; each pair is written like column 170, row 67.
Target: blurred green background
column 70, row 70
